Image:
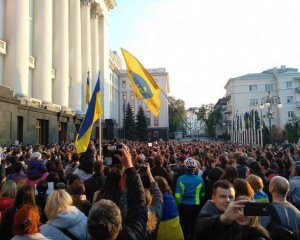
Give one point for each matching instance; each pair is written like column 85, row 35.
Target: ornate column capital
column 96, row 10
column 86, row 2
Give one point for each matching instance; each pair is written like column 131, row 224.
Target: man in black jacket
column 209, row 225
column 105, row 221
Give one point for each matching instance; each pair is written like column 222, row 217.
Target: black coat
column 134, row 226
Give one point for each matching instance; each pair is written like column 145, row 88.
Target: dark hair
column 24, row 195
column 72, row 178
column 42, row 187
column 230, row 174
column 265, row 163
column 243, row 188
column 77, row 187
column 98, row 166
column 221, row 184
column 18, row 167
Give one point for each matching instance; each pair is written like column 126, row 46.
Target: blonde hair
column 152, row 220
column 9, row 189
column 58, row 201
column 255, row 182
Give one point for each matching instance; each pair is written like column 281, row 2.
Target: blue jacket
column 189, row 189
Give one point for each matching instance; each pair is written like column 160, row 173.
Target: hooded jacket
column 73, row 220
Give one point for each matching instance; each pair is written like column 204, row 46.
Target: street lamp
column 268, row 102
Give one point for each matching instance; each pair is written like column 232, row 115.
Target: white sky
column 203, row 43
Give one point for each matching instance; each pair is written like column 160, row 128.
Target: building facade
column 196, row 127
column 245, row 93
column 47, row 49
column 157, row 127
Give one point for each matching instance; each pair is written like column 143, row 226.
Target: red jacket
column 5, row 203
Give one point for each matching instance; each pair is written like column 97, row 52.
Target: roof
column 255, row 75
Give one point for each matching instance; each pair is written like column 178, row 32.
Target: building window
column 289, row 99
column 269, row 87
column 252, row 88
column 156, row 134
column 125, row 96
column 156, row 122
column 148, row 121
column 289, row 84
column 131, row 96
column 123, row 84
column 253, row 102
column 291, row 114
column 132, row 108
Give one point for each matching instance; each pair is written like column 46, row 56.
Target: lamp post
column 268, row 101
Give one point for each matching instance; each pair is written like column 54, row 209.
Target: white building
column 46, row 49
column 157, row 127
column 245, row 93
column 196, row 127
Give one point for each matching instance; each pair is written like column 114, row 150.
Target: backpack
column 278, row 230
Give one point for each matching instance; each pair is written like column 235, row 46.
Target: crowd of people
column 167, row 190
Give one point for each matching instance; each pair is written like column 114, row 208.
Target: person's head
column 158, row 160
column 152, row 220
column 18, row 166
column 190, row 165
column 243, row 188
column 8, row 189
column 98, row 166
column 104, row 220
column 163, row 185
column 42, row 187
column 256, row 182
column 57, row 201
column 77, row 188
column 36, row 156
column 223, row 161
column 72, row 178
column 230, row 174
column 25, row 195
column 279, row 187
column 223, row 193
column 141, row 158
column 249, row 221
column 296, row 169
column 26, row 220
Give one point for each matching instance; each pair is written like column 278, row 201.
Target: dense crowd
column 166, row 190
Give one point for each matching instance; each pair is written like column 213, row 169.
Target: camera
column 110, row 150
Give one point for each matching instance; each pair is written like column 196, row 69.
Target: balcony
column 2, row 47
column 31, row 62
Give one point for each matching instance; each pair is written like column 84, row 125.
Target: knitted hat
column 36, row 155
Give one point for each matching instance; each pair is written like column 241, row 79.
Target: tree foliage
column 129, row 124
column 292, row 130
column 141, row 125
column 211, row 115
column 175, row 121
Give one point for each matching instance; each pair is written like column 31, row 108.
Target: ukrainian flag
column 87, row 90
column 142, row 83
column 92, row 115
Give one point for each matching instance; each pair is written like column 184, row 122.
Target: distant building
column 223, row 127
column 157, row 127
column 196, row 126
column 245, row 93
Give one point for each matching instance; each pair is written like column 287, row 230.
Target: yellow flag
column 142, row 83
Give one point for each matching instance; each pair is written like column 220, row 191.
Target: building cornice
column 87, row 2
column 115, row 62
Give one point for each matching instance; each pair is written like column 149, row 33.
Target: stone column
column 95, row 13
column 16, row 67
column 75, row 55
column 42, row 51
column 104, row 65
column 61, row 53
column 85, row 48
column 2, row 11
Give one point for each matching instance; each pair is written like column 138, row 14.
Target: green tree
column 129, row 124
column 211, row 115
column 141, row 125
column 175, row 121
column 292, row 130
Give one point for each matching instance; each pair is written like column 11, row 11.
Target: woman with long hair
column 64, row 220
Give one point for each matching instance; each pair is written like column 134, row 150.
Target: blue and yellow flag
column 142, row 83
column 92, row 115
column 87, row 90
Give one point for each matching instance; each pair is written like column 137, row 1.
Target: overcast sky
column 203, row 43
